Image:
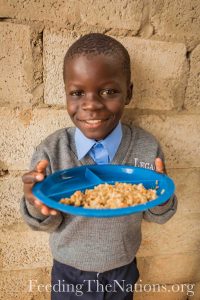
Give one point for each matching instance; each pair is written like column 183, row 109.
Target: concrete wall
column 163, row 39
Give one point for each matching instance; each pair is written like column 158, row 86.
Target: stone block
column 112, row 14
column 18, row 284
column 192, row 99
column 170, row 269
column 159, row 73
column 55, row 47
column 121, row 14
column 179, row 136
column 153, row 89
column 26, row 250
column 59, row 11
column 11, row 190
column 175, row 20
column 25, row 131
column 178, row 235
column 187, row 190
column 15, row 64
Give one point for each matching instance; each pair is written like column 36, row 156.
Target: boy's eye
column 76, row 93
column 106, row 92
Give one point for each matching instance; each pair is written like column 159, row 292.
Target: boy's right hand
column 29, row 179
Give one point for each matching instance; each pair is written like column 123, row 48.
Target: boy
column 94, row 254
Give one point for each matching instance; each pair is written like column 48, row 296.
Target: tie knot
column 98, row 145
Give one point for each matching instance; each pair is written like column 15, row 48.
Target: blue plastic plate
column 62, row 184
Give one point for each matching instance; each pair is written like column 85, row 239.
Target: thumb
column 41, row 166
column 159, row 165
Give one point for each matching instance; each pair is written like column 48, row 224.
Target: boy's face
column 96, row 92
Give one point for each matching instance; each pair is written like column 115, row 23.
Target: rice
column 111, row 196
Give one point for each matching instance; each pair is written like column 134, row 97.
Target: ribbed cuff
column 162, row 209
column 164, row 203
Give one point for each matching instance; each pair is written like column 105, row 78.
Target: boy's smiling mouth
column 93, row 123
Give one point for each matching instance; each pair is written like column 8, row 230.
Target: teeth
column 93, row 121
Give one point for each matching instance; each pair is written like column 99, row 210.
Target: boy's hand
column 29, row 179
column 160, row 167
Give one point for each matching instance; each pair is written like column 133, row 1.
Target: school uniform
column 83, row 247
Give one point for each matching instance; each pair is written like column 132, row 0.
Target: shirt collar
column 111, row 142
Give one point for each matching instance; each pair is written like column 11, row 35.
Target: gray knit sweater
column 96, row 244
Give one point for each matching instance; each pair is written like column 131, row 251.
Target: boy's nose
column 92, row 102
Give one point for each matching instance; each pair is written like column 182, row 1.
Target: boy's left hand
column 159, row 164
column 160, row 168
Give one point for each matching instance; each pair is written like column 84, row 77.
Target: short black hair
column 96, row 44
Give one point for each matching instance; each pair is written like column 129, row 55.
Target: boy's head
column 97, row 83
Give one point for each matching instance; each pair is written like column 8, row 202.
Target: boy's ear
column 129, row 93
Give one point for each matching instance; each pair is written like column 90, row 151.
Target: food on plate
column 107, row 195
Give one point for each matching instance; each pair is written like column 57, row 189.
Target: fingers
column 32, row 177
column 160, row 167
column 29, row 179
column 41, row 166
column 42, row 208
column 45, row 210
column 37, row 174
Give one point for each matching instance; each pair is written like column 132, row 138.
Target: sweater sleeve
column 162, row 213
column 31, row 215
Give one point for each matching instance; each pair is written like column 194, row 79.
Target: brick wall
column 163, row 39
